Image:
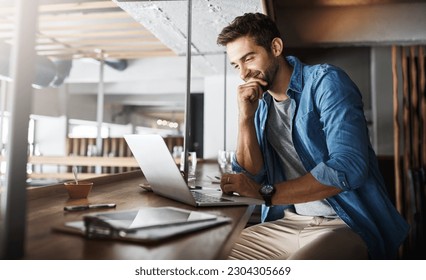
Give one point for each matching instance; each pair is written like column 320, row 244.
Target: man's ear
column 277, row 46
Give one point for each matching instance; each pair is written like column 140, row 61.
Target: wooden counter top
column 45, row 211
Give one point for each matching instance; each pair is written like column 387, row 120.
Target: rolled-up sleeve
column 330, row 177
column 259, row 177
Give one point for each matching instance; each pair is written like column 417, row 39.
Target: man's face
column 252, row 60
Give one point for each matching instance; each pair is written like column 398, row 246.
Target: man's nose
column 244, row 73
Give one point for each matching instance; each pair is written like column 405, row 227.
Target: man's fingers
column 251, row 91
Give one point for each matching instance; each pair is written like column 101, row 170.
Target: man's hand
column 249, row 94
column 241, row 184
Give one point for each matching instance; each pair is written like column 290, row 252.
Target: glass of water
column 224, row 159
column 192, row 165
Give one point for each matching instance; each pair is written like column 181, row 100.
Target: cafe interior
column 78, row 75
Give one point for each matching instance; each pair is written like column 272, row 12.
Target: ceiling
column 86, row 29
column 132, row 29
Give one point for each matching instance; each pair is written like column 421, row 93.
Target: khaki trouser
column 300, row 237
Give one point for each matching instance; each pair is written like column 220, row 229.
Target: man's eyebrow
column 242, row 58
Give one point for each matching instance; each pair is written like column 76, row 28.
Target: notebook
column 165, row 178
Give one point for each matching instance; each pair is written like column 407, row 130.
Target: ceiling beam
column 77, row 29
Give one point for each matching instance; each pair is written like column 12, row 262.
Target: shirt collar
column 296, row 80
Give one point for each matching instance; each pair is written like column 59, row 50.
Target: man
column 303, row 147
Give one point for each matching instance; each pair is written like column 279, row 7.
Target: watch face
column 267, row 189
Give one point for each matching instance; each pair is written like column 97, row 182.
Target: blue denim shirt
column 330, row 135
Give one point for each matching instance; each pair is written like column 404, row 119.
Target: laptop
column 165, row 178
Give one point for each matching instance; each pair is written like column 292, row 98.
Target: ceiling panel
column 86, row 29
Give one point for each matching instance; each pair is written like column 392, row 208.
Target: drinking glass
column 192, row 165
column 224, row 158
column 177, row 151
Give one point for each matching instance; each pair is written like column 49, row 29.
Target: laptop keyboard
column 201, row 197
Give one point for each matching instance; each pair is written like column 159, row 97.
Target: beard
column 267, row 75
column 270, row 74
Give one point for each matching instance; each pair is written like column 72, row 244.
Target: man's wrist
column 267, row 191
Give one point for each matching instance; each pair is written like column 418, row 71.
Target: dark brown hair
column 256, row 25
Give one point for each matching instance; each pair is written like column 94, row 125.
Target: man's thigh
column 271, row 240
column 299, row 237
column 329, row 239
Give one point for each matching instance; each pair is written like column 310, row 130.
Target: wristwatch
column 266, row 191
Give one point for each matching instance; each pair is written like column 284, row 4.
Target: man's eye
column 248, row 59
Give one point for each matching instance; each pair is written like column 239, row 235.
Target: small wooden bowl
column 80, row 190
